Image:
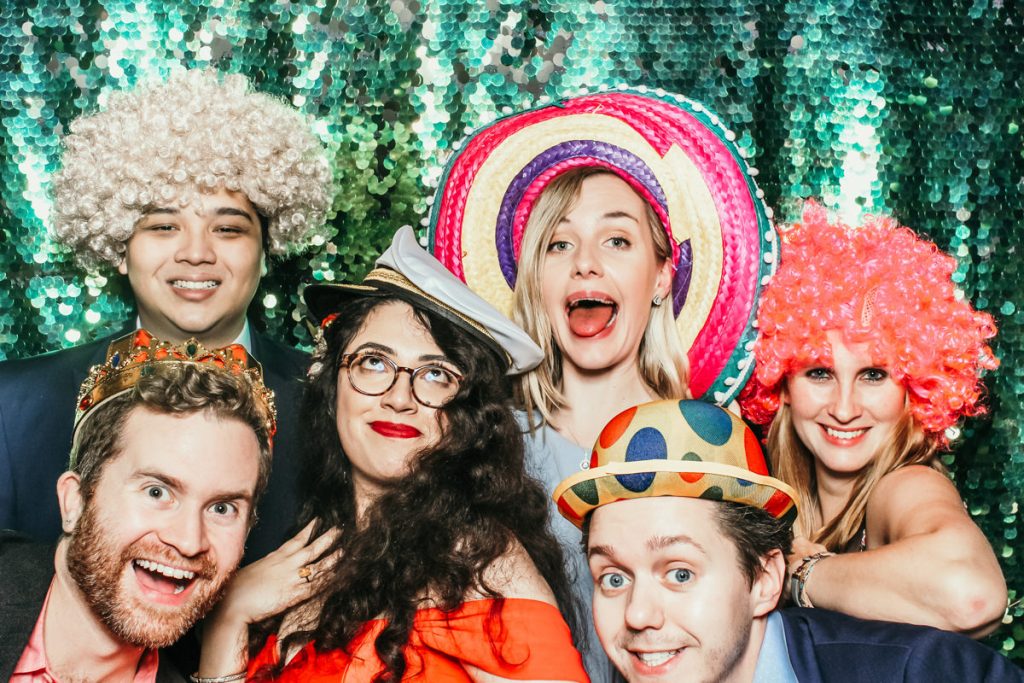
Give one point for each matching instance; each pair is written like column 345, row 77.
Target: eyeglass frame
column 346, row 363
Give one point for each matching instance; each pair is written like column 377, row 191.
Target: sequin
column 913, row 110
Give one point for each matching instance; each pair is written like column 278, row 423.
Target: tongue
column 588, row 320
column 156, row 582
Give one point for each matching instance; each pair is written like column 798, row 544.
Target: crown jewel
column 140, row 354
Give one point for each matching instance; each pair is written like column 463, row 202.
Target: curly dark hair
column 463, row 504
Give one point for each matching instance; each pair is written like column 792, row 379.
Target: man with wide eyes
column 171, row 451
column 686, row 538
column 183, row 188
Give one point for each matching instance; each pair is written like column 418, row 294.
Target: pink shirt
column 33, row 667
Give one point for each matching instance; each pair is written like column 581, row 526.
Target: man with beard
column 170, row 452
column 686, row 538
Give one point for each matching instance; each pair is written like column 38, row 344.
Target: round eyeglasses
column 373, row 374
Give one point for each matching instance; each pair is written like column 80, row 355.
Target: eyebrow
column 610, row 214
column 603, row 550
column 219, row 211
column 662, row 542
column 654, row 544
column 179, row 485
column 391, row 352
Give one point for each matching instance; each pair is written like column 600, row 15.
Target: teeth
column 655, row 658
column 590, row 302
column 169, row 572
column 836, row 434
column 189, row 284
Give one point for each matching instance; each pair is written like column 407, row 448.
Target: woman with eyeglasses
column 426, row 553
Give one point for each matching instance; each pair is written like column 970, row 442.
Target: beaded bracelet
column 798, row 582
column 196, row 678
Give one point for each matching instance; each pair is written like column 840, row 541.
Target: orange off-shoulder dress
column 533, row 643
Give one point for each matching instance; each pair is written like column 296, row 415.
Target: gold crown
column 140, row 354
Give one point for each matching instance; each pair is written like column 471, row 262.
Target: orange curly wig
column 878, row 284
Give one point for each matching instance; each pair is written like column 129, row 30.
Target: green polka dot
column 587, row 492
column 712, row 493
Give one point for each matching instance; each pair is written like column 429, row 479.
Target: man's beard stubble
column 98, row 569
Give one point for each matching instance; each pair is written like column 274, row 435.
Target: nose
column 400, row 397
column 185, row 531
column 643, row 608
column 195, row 247
column 846, row 402
column 586, row 262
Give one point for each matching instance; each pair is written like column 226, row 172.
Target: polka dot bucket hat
column 682, row 448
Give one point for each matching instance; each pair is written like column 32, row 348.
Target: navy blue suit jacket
column 828, row 646
column 37, row 410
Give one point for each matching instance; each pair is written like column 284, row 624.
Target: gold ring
column 305, row 573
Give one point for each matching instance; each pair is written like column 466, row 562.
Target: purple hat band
column 529, row 183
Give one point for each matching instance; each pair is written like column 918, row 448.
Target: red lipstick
column 394, row 430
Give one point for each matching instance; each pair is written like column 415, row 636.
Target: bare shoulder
column 914, row 483
column 913, row 499
column 514, row 575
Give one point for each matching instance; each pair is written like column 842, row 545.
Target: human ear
column 768, row 584
column 69, row 498
column 122, row 267
column 663, row 282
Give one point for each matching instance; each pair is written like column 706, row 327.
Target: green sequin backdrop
column 906, row 107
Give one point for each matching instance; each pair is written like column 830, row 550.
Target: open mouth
column 161, row 578
column 655, row 659
column 195, row 284
column 589, row 315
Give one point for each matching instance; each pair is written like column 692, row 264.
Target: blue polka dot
column 743, row 482
column 637, row 483
column 710, row 423
column 647, row 444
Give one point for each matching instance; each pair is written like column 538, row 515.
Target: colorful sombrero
column 676, row 154
column 683, row 448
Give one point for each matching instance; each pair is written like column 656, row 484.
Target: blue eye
column 559, row 245
column 618, row 242
column 680, row 575
column 612, row 581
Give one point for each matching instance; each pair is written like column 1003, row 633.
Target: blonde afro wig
column 166, row 144
column 883, row 285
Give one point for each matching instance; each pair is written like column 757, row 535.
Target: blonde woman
column 629, row 242
column 867, row 358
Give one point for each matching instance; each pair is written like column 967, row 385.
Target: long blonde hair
column 662, row 359
column 793, row 463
